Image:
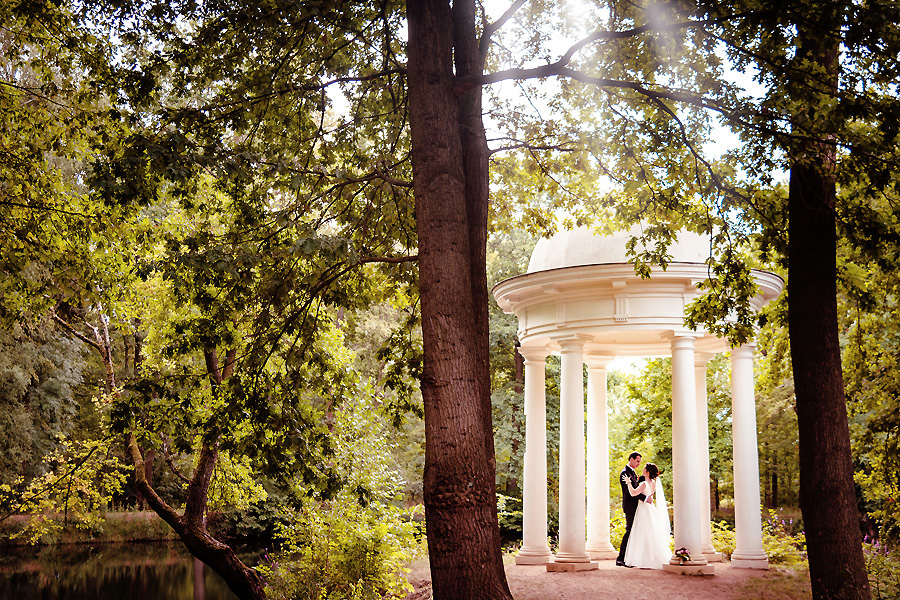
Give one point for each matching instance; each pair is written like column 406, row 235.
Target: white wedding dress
column 649, row 545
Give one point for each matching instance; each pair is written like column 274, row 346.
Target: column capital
column 534, row 354
column 744, row 351
column 681, row 339
column 597, row 361
column 570, row 345
column 701, row 359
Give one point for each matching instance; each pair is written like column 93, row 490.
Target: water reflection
column 109, row 572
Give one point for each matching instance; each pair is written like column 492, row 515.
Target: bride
column 649, row 544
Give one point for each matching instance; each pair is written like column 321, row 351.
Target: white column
column 700, row 361
column 685, row 456
column 748, row 552
column 598, row 544
column 535, row 550
column 571, row 454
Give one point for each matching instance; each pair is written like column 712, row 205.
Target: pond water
column 139, row 571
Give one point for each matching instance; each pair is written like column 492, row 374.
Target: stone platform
column 689, row 569
column 571, row 567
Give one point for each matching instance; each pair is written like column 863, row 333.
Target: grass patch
column 109, row 527
column 778, row 584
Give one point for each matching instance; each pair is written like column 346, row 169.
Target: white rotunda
column 582, row 300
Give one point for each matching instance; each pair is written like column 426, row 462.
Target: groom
column 629, row 502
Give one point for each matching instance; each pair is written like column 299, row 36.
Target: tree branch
column 51, row 485
column 230, row 359
column 488, row 29
column 198, row 490
column 529, row 146
column 245, row 101
column 386, row 259
column 212, row 365
column 47, row 209
column 159, row 506
column 65, row 325
column 170, row 460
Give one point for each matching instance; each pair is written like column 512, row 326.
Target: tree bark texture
column 450, row 178
column 827, row 494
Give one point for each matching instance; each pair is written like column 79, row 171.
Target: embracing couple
column 646, row 541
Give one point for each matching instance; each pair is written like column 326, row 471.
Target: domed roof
column 581, row 246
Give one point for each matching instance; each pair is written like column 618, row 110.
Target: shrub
column 344, row 551
column 781, row 543
column 883, row 568
column 616, row 527
column 789, row 521
column 509, row 517
column 723, row 537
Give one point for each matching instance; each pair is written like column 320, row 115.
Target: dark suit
column 629, row 505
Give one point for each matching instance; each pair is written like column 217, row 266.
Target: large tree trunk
column 827, row 495
column 450, row 177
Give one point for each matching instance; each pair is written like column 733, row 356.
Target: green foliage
column 616, row 527
column 342, row 550
column 234, row 485
column 871, row 346
column 357, row 543
column 507, row 255
column 39, row 372
column 509, row 517
column 648, row 416
column 80, row 481
column 776, row 415
column 110, row 527
column 718, row 391
column 723, row 539
column 387, row 341
column 883, row 567
column 781, row 542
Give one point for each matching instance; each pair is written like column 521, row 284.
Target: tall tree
column 450, row 177
column 827, row 489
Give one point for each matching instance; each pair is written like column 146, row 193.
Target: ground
column 617, row 583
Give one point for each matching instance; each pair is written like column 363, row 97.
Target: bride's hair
column 652, row 470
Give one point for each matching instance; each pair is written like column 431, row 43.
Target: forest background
column 211, row 299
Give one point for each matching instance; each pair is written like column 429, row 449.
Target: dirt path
column 617, row 583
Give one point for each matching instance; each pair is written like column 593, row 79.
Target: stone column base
column 749, row 563
column 603, row 554
column 530, row 558
column 714, row 557
column 689, row 569
column 569, row 557
column 570, row 567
